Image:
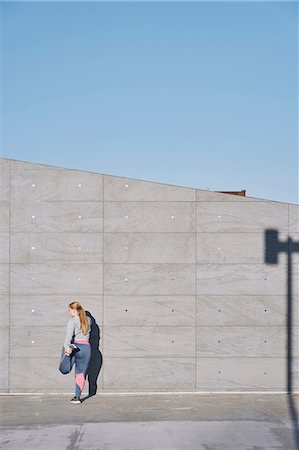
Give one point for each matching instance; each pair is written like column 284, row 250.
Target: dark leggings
column 81, row 358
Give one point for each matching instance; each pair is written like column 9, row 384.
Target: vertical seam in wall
column 102, row 331
column 195, row 319
column 288, row 229
column 286, row 302
column 9, row 266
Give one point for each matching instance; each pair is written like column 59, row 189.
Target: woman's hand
column 68, row 351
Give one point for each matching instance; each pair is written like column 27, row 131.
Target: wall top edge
column 240, row 198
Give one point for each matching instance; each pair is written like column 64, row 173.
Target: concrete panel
column 4, row 180
column 149, row 341
column 41, row 375
column 294, row 218
column 149, row 247
column 4, row 338
column 4, row 372
column 235, row 248
column 128, row 189
column 243, row 374
column 4, row 247
column 49, row 310
column 80, row 217
column 159, row 310
column 149, row 374
column 4, row 310
column 149, row 216
column 244, row 341
column 236, row 216
column 59, row 246
column 22, row 166
column 203, row 195
column 52, row 184
column 4, row 216
column 35, row 341
column 149, row 279
column 17, row 164
column 254, row 279
column 231, row 310
column 56, row 278
column 4, row 278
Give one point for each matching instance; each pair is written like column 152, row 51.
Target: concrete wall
column 175, row 277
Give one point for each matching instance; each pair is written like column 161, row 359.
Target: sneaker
column 76, row 400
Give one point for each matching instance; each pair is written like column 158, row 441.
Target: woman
column 76, row 347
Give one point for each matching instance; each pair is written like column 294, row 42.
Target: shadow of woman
column 96, row 359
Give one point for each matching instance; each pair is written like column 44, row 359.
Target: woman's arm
column 69, row 333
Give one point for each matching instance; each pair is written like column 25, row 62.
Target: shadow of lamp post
column 273, row 247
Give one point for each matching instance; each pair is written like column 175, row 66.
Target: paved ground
column 151, row 422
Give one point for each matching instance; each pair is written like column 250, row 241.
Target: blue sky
column 195, row 94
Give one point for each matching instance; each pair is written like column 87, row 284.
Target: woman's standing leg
column 82, row 358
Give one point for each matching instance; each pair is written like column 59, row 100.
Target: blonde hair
column 84, row 324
